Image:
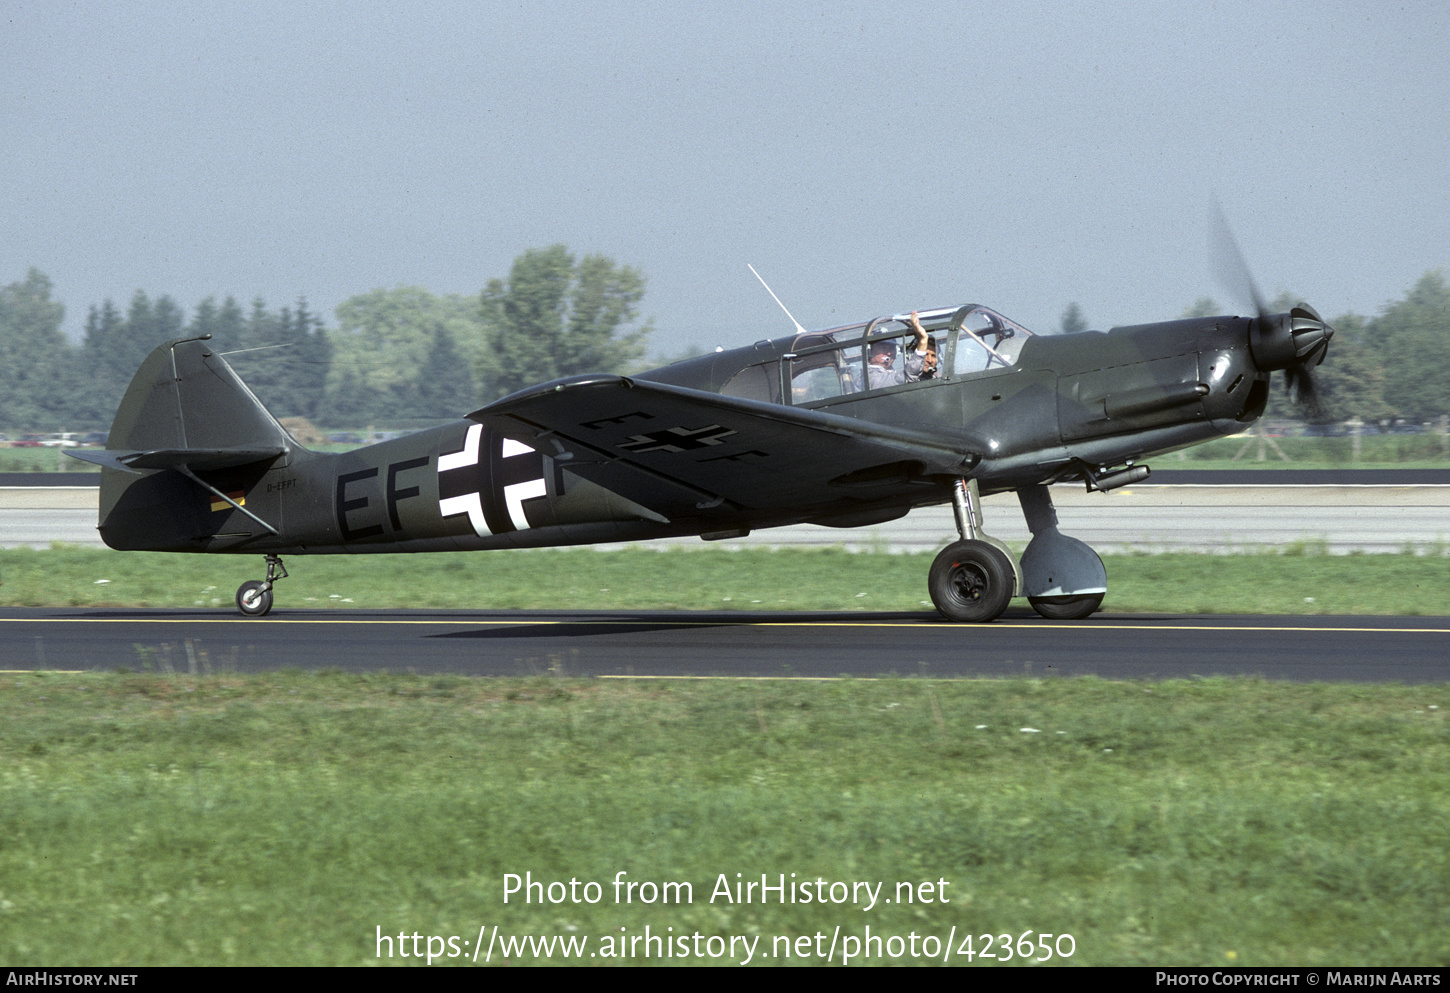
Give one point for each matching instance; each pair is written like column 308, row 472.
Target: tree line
column 396, row 357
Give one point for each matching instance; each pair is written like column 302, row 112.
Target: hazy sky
column 865, row 157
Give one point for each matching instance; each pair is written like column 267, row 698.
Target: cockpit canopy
column 820, row 366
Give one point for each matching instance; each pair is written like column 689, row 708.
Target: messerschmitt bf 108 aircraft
column 844, row 427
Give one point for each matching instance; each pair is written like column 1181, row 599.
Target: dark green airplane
column 844, row 427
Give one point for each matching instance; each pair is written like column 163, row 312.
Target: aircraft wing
column 687, row 453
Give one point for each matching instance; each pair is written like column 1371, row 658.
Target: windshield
column 985, row 340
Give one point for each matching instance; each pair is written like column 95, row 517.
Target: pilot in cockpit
column 921, row 360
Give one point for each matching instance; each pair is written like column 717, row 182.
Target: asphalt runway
column 725, row 644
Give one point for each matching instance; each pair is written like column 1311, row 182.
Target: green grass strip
column 1299, row 580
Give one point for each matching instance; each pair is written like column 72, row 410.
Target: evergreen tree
column 262, row 358
column 1072, row 319
column 311, row 354
column 104, row 327
column 282, row 356
column 445, row 386
column 225, row 324
column 114, row 348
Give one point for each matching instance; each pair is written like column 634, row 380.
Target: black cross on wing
column 677, row 439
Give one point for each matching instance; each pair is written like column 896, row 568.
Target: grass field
column 41, row 460
column 294, row 818
column 1299, row 580
column 291, row 818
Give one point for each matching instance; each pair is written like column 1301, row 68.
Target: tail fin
column 187, row 410
column 186, row 406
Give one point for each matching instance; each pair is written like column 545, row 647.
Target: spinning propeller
column 1295, row 342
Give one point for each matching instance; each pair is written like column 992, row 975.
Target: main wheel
column 1066, row 608
column 971, row 581
column 253, row 598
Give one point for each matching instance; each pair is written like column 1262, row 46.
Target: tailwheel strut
column 254, row 598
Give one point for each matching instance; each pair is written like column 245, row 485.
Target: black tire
column 971, row 581
column 1066, row 608
column 253, row 599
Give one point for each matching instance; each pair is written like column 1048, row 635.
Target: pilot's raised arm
column 921, row 360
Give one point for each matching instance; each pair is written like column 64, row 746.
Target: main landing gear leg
column 972, row 579
column 253, row 598
column 1062, row 577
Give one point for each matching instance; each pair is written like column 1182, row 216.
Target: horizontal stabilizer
column 196, row 459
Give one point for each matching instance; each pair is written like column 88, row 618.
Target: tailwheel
column 971, row 581
column 254, row 598
column 1066, row 608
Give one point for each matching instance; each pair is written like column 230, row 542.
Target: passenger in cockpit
column 881, row 367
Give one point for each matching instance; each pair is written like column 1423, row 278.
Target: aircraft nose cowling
column 1281, row 341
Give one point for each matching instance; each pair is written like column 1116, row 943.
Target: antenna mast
column 776, row 299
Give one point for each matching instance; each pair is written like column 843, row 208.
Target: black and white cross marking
column 489, row 479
